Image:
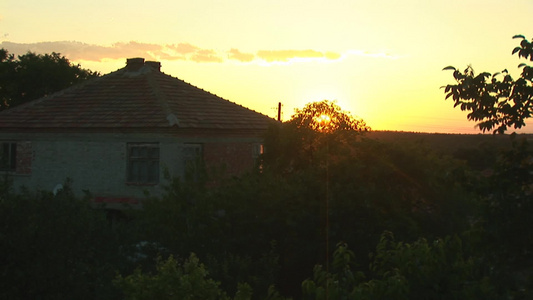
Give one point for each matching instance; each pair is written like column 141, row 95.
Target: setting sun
column 323, row 119
column 322, row 122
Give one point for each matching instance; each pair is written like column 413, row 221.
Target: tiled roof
column 136, row 96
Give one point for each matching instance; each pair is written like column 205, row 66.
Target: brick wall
column 231, row 158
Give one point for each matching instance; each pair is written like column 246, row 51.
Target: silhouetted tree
column 303, row 141
column 326, row 116
column 507, row 202
column 32, row 76
column 495, row 103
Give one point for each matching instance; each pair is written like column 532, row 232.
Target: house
column 115, row 135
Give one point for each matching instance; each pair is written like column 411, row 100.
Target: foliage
column 318, row 186
column 172, row 281
column 340, row 283
column 304, row 141
column 495, row 103
column 55, row 247
column 418, row 270
column 326, row 116
column 187, row 280
column 175, row 218
column 352, row 193
column 269, row 227
column 189, row 217
column 506, row 219
column 432, row 270
column 32, row 76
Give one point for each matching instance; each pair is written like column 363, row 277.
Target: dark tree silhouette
column 32, row 76
column 496, row 103
column 326, row 116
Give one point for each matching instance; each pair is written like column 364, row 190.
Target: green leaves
column 496, row 104
column 171, row 281
column 341, row 283
column 417, row 270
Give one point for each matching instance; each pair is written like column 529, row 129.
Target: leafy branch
column 496, row 101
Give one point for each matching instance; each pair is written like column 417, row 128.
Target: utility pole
column 279, row 111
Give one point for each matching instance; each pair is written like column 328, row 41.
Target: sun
column 322, row 122
column 324, row 119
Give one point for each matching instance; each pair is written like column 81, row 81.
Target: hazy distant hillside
column 479, row 150
column 445, row 143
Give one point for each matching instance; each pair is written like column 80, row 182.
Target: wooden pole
column 279, row 111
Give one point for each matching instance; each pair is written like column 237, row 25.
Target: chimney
column 154, row 65
column 134, row 64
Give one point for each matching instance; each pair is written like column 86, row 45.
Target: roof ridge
column 161, row 97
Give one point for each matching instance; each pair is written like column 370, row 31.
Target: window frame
column 192, row 161
column 143, row 155
column 258, row 149
column 8, row 164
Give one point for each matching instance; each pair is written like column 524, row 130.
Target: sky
column 380, row 60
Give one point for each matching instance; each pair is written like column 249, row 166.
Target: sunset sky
column 380, row 60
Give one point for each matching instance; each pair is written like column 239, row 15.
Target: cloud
column 238, row 55
column 206, row 55
column 81, row 51
column 183, row 48
column 283, row 56
column 78, row 51
column 287, row 55
column 372, row 54
column 332, row 55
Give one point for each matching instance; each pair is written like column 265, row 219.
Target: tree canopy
column 303, row 141
column 326, row 116
column 496, row 101
column 31, row 76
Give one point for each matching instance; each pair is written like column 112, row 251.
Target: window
column 257, row 150
column 192, row 161
column 8, row 156
column 143, row 163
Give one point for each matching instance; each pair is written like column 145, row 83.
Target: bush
column 55, row 247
